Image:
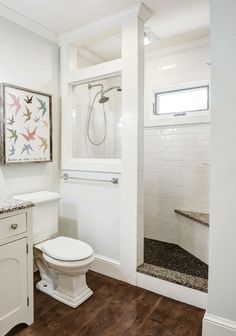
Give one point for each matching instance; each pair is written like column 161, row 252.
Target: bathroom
column 132, row 171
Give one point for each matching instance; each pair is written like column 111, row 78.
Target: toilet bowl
column 62, row 262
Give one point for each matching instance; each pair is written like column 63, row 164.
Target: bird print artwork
column 27, row 149
column 42, row 106
column 11, row 121
column 43, row 144
column 27, row 125
column 15, row 102
column 36, row 119
column 30, row 135
column 27, row 114
column 12, row 150
column 13, row 135
column 28, row 100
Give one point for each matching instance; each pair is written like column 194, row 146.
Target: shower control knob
column 14, row 226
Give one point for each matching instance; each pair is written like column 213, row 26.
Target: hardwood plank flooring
column 115, row 309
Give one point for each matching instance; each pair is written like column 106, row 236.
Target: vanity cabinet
column 16, row 271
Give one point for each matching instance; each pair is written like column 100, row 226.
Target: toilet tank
column 45, row 214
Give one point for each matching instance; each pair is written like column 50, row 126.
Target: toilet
column 62, row 262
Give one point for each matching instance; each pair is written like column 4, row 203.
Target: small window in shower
column 96, row 119
column 179, row 102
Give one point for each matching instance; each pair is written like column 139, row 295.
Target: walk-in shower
column 96, row 122
column 102, row 98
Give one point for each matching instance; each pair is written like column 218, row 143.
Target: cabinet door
column 13, row 282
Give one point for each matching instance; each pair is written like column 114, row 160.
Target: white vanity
column 16, row 264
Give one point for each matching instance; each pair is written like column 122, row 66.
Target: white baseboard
column 217, row 326
column 107, row 266
column 174, row 291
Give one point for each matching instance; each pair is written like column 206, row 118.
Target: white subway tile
column 176, row 175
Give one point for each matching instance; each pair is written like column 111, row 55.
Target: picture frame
column 25, row 125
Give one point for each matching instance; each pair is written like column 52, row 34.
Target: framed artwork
column 25, row 125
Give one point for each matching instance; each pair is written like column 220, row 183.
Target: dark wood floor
column 115, row 309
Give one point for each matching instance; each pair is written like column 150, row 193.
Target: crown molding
column 139, row 10
column 105, row 23
column 23, row 21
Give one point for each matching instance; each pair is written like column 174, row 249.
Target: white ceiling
column 170, row 17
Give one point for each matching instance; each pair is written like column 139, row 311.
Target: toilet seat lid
column 66, row 249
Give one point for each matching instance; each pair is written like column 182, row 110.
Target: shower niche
column 96, row 119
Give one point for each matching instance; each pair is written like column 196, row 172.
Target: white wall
column 176, row 173
column 90, row 211
column 30, row 61
column 221, row 310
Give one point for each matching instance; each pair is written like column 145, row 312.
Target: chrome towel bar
column 66, row 177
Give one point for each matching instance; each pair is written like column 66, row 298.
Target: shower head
column 103, row 99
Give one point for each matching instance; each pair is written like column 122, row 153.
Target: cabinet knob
column 14, row 226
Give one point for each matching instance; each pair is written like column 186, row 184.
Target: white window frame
column 190, row 117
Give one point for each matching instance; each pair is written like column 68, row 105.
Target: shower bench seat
column 200, row 217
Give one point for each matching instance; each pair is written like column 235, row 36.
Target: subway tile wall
column 176, row 175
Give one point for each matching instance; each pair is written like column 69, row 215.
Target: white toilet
column 62, row 262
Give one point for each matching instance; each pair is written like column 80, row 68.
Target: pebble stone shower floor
column 170, row 262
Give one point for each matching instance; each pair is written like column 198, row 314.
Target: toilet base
column 73, row 302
